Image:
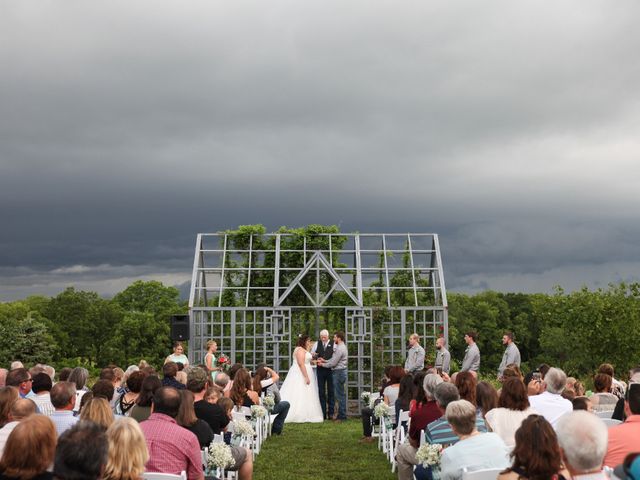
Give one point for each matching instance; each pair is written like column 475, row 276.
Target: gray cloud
column 509, row 128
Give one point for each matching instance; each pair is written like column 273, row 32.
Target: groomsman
column 443, row 357
column 324, row 349
column 471, row 361
column 511, row 353
column 415, row 356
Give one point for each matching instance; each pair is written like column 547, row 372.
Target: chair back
column 238, row 416
column 604, row 413
column 611, row 422
column 164, row 476
column 217, row 438
column 484, row 474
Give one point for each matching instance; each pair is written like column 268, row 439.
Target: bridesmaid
column 210, row 359
column 178, row 355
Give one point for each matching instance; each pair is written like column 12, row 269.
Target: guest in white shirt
column 550, row 404
column 42, row 388
column 583, row 441
column 513, row 408
column 21, row 409
column 63, row 397
column 474, row 450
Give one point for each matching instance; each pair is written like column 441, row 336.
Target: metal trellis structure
column 254, row 293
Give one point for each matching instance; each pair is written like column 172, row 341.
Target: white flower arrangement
column 220, row 456
column 268, row 402
column 429, row 454
column 382, row 410
column 258, row 411
column 366, row 397
column 243, row 428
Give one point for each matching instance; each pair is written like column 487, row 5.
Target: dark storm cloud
column 508, row 128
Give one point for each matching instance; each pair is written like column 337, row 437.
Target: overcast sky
column 509, row 128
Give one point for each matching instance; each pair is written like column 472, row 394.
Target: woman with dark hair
column 466, row 383
column 513, row 408
column 186, row 418
column 300, row 388
column 405, row 396
column 419, row 395
column 142, row 408
column 603, row 399
column 536, row 455
column 127, row 400
column 487, row 397
column 391, row 391
column 241, row 392
column 29, row 450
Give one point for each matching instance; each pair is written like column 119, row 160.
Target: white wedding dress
column 303, row 399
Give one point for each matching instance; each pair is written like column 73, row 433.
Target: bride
column 300, row 388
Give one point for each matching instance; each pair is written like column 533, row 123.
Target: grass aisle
column 321, row 451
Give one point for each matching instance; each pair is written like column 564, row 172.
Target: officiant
column 324, row 349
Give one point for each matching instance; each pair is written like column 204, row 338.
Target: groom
column 338, row 365
column 324, row 349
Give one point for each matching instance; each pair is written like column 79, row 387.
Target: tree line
column 574, row 330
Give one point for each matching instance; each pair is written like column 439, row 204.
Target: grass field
column 326, row 451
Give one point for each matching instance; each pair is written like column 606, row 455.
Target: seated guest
column 241, row 392
column 128, row 399
column 536, row 454
column 98, row 411
column 186, row 418
column 618, row 388
column 619, row 412
column 21, row 409
column 41, row 386
column 127, row 451
column 232, row 374
column 103, row 389
column 30, row 450
column 624, row 438
column 63, row 398
column 405, row 395
column 169, row 372
column 172, row 449
column 142, row 409
column 211, row 413
column 422, row 414
column 181, row 377
column 583, row 444
column 486, row 397
column 264, row 381
column 81, row 452
column 513, row 409
column 466, row 384
column 474, row 450
column 389, row 396
column 582, row 403
column 21, row 379
column 603, row 400
column 8, row 396
column 3, row 377
column 213, row 394
column 79, row 377
column 64, row 373
column 222, row 380
column 550, row 403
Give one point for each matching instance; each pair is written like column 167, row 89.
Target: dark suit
column 325, row 379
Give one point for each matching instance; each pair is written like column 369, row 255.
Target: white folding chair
column 374, row 432
column 611, row 422
column 484, row 474
column 404, row 420
column 604, row 413
column 164, row 476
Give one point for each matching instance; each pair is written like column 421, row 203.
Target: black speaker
column 179, row 328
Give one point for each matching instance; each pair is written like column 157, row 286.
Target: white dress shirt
column 551, row 406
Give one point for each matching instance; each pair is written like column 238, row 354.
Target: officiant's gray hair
column 324, row 332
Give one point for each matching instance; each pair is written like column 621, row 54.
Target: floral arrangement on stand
column 242, row 428
column 383, row 412
column 429, row 455
column 220, row 456
column 269, row 402
column 366, row 398
column 258, row 411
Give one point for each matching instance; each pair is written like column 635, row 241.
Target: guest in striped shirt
column 63, row 398
column 41, row 386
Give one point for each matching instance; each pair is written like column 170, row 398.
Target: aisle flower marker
column 429, row 455
column 220, row 456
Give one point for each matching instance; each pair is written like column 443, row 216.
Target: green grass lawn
column 314, row 451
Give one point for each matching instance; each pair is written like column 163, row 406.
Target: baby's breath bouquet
column 220, row 456
column 243, row 428
column 429, row 454
column 268, row 402
column 366, row 397
column 258, row 411
column 381, row 410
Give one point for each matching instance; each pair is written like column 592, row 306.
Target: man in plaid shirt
column 172, row 449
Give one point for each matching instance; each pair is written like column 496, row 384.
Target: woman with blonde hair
column 210, row 359
column 30, row 450
column 128, row 452
column 98, row 411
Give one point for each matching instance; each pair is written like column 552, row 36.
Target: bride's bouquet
column 220, row 456
column 223, row 362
